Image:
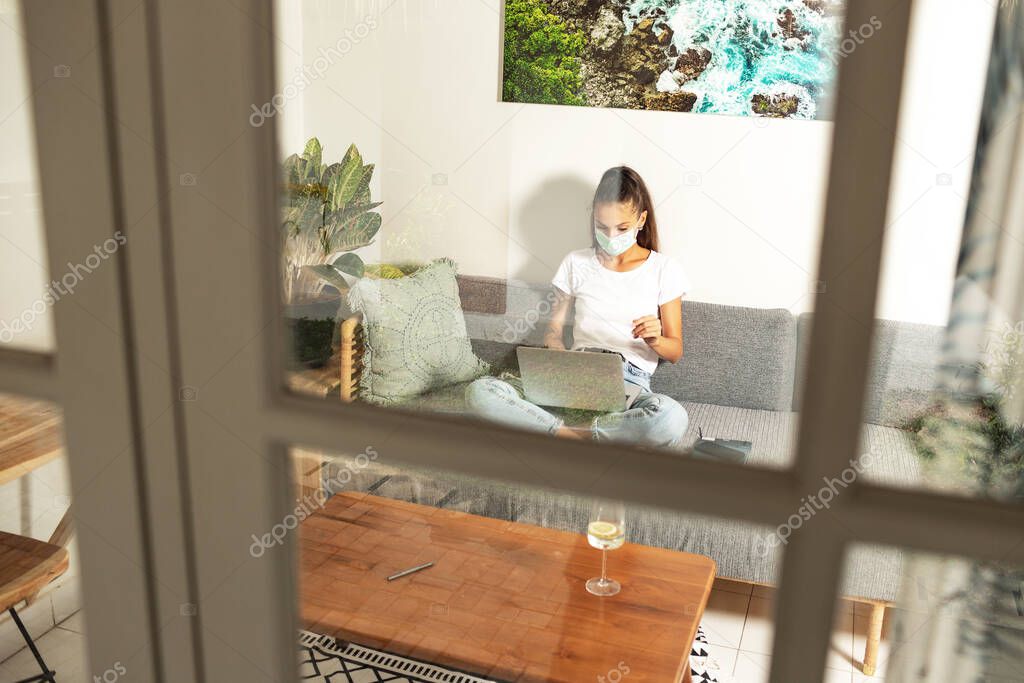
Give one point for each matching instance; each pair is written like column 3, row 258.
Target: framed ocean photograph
column 770, row 58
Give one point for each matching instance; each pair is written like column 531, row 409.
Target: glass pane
column 26, row 293
column 35, row 500
column 931, row 613
column 505, row 596
column 944, row 408
column 474, row 174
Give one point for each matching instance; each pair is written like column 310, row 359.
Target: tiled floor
column 737, row 623
column 62, row 647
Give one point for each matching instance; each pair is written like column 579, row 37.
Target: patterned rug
column 322, row 658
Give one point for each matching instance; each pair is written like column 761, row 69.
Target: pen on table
column 411, row 570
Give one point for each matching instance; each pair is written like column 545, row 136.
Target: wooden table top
column 504, row 600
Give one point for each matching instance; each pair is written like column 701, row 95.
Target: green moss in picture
column 542, row 56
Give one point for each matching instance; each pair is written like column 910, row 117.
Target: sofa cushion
column 483, row 294
column 737, row 547
column 516, row 314
column 904, row 361
column 891, row 458
column 733, row 356
column 499, row 355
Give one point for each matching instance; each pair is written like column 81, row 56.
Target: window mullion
column 863, row 144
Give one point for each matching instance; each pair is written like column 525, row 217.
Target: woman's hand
column 663, row 332
column 553, row 342
column 553, row 336
column 647, row 327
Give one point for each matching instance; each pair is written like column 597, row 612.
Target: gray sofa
column 737, row 380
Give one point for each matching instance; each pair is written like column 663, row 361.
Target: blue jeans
column 652, row 420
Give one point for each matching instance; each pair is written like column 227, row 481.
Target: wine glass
column 606, row 531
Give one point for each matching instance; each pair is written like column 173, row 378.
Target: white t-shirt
column 607, row 302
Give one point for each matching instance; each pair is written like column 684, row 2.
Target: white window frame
column 193, row 304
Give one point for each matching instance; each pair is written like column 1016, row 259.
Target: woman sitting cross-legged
column 627, row 301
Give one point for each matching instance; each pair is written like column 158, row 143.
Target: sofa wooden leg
column 874, row 638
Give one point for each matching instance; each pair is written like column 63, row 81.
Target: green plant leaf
column 352, row 157
column 305, row 214
column 302, row 172
column 363, row 197
column 330, row 275
column 362, row 193
column 329, row 172
column 351, row 264
column 337, row 220
column 358, row 233
column 314, row 153
column 291, row 173
column 352, row 180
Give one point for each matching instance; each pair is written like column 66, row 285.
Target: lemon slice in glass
column 603, row 530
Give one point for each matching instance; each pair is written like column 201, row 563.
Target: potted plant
column 327, row 214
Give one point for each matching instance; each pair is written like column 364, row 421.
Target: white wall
column 23, row 275
column 740, row 199
column 945, row 81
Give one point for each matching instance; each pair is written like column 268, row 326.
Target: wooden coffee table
column 504, row 600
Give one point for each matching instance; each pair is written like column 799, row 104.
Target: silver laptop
column 575, row 379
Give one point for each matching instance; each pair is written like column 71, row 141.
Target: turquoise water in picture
column 750, row 53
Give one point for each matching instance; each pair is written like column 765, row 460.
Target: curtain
column 958, row 619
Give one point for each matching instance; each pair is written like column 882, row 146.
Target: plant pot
column 312, row 325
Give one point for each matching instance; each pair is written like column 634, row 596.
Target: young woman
column 627, row 301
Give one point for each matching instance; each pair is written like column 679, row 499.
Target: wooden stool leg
column 874, row 638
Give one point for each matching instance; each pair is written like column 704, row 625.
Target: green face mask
column 613, row 246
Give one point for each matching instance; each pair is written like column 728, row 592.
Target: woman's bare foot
column 570, row 433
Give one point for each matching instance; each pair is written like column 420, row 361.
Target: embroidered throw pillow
column 415, row 334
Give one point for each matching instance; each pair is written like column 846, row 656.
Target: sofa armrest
column 351, row 356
